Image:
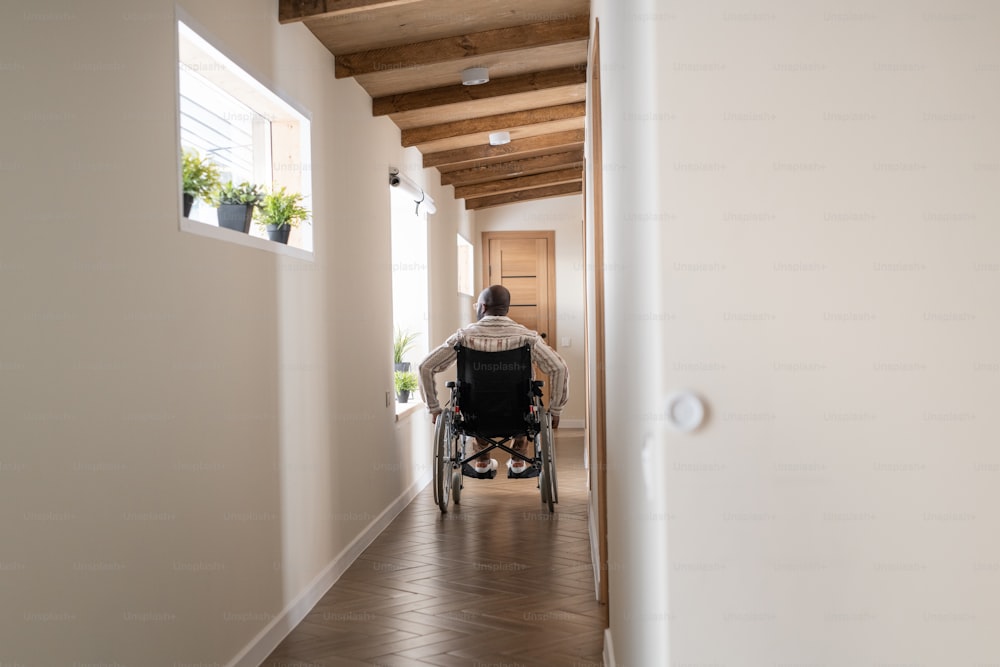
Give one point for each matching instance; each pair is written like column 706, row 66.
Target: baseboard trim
column 609, row 649
column 571, row 423
column 261, row 646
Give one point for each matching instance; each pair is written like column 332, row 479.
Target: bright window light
column 409, row 274
column 237, row 122
column 465, row 267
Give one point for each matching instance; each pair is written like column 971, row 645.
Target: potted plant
column 235, row 204
column 200, row 176
column 278, row 212
column 401, row 344
column 406, row 382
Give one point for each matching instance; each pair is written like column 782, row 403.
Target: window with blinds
column 233, row 119
column 218, row 125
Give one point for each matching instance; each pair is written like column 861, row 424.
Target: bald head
column 495, row 300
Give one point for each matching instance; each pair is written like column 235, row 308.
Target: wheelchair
column 495, row 399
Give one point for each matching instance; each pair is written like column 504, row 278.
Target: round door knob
column 685, row 411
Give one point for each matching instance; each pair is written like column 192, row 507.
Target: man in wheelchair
column 495, row 332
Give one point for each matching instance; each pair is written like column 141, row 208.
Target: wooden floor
column 495, row 582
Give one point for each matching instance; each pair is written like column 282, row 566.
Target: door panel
column 526, row 315
column 518, row 258
column 524, row 263
column 523, row 291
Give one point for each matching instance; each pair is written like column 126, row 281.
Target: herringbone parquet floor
column 495, row 582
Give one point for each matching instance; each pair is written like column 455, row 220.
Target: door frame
column 597, row 394
column 550, row 260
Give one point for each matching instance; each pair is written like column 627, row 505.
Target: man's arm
column 549, row 361
column 435, row 362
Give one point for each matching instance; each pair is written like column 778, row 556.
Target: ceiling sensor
column 475, row 76
column 499, row 138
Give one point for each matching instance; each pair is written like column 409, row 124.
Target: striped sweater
column 496, row 334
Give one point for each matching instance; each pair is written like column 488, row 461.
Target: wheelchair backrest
column 494, row 391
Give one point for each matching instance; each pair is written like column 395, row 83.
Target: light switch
column 564, row 341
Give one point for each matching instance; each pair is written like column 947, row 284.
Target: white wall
column 449, row 310
column 192, row 431
column 827, row 234
column 634, row 343
column 563, row 215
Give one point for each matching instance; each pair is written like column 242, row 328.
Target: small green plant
column 244, row 193
column 201, row 175
column 280, row 209
column 401, row 344
column 405, row 381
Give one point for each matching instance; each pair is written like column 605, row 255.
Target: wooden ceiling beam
column 457, row 94
column 519, row 183
column 524, row 195
column 482, row 173
column 472, row 153
column 462, row 47
column 290, row 11
column 505, row 121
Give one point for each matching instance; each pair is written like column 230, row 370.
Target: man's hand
column 555, row 421
column 434, row 417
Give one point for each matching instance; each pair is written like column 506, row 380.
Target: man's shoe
column 521, row 470
column 481, row 471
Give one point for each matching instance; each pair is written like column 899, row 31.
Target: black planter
column 279, row 234
column 235, row 217
column 188, row 203
column 404, row 366
column 403, row 396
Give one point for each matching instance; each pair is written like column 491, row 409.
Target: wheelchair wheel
column 442, row 460
column 456, row 485
column 554, row 491
column 546, row 489
column 546, row 478
column 456, row 470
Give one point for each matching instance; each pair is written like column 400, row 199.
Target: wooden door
column 596, row 393
column 524, row 263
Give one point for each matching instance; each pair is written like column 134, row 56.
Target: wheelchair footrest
column 469, row 471
column 530, row 471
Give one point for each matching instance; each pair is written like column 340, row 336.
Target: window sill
column 404, row 410
column 238, row 238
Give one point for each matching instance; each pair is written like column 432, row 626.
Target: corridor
column 495, row 581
